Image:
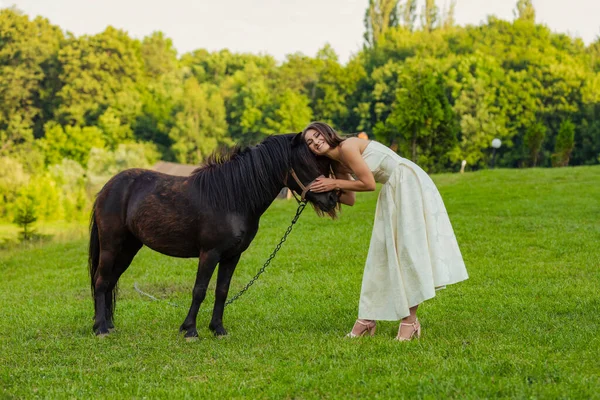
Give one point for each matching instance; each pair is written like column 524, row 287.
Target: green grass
column 525, row 325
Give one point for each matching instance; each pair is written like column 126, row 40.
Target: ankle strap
column 413, row 324
column 365, row 323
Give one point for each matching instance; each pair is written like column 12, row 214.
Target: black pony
column 213, row 214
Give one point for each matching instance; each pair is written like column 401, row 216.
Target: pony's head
column 305, row 168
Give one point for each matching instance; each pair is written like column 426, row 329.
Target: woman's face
column 316, row 142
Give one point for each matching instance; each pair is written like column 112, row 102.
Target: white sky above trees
column 278, row 27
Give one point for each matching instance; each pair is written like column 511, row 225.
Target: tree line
column 76, row 110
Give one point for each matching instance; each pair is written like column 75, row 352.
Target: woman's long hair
column 332, row 138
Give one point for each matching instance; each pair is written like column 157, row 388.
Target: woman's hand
column 322, row 184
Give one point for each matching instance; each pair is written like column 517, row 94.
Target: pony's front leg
column 226, row 268
column 206, row 266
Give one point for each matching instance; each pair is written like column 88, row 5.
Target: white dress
column 413, row 249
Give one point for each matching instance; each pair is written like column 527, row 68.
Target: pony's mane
column 244, row 180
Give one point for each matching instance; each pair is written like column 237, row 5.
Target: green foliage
column 476, row 87
column 97, row 72
column 421, row 120
column 103, row 164
column 437, row 92
column 72, row 142
column 27, row 49
column 534, row 138
column 250, row 105
column 25, row 216
column 291, row 114
column 429, row 15
column 525, row 11
column 379, row 17
column 114, row 130
column 70, row 179
column 12, row 177
column 408, row 10
column 159, row 55
column 199, row 124
column 565, row 141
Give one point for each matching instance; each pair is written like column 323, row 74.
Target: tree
column 69, row 177
column 534, row 138
column 114, row 130
column 25, row 216
column 408, row 12
column 429, row 15
column 252, row 102
column 199, row 124
column 12, row 178
column 333, row 95
column 292, row 113
column 380, row 16
column 421, row 121
column 565, row 142
column 27, row 49
column 448, row 17
column 525, row 11
column 100, row 71
column 159, row 55
column 476, row 83
column 103, row 164
column 72, row 142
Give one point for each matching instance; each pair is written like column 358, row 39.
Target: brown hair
column 332, row 138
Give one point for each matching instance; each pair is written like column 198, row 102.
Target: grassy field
column 525, row 325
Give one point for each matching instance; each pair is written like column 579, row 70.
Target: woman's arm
column 346, row 197
column 365, row 182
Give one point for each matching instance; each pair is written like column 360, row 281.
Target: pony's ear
column 297, row 139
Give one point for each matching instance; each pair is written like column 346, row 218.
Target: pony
column 213, row 215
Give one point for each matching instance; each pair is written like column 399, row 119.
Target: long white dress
column 413, row 249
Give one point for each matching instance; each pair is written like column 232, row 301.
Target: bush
column 26, row 216
column 12, row 177
column 104, row 164
column 565, row 142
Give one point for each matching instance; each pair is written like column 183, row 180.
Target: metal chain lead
column 301, row 206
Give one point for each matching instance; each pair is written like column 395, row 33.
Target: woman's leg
column 362, row 327
column 408, row 324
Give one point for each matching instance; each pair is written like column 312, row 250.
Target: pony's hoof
column 221, row 333
column 218, row 330
column 102, row 335
column 192, row 333
column 101, row 332
column 192, row 339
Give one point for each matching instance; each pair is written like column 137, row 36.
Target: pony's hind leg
column 206, row 266
column 226, row 268
column 102, row 284
column 128, row 251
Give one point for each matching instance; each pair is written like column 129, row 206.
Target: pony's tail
column 94, row 250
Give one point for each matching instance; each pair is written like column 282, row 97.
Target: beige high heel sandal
column 367, row 327
column 415, row 333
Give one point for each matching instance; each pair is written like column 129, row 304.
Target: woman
column 413, row 250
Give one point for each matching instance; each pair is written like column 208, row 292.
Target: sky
column 278, row 27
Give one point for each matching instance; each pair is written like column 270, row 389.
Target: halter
column 305, row 189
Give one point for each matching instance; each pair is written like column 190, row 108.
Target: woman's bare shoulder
column 355, row 143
